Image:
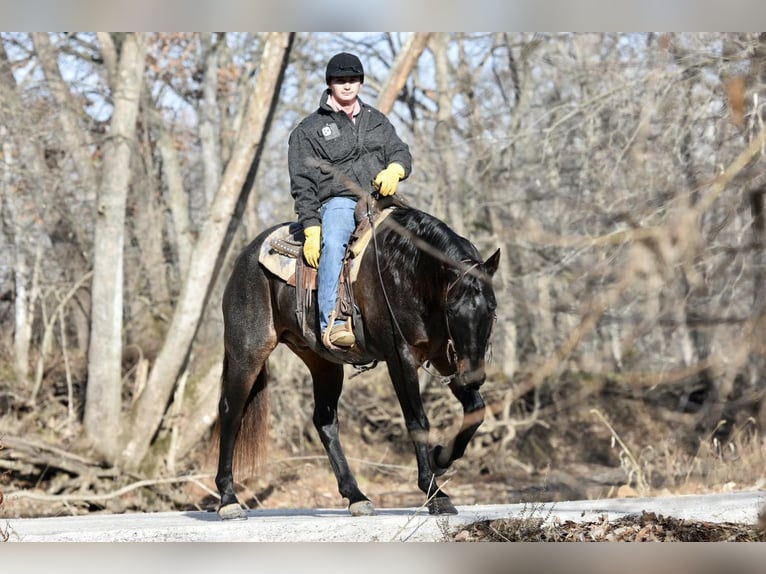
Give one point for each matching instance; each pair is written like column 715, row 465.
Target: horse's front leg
column 328, row 384
column 442, row 457
column 405, row 380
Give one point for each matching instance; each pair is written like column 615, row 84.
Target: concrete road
column 389, row 525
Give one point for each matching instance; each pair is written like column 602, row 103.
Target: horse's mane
column 423, row 245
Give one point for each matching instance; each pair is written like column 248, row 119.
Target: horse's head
column 470, row 316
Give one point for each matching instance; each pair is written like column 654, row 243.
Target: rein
column 380, row 275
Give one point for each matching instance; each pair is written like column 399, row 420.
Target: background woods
column 621, row 175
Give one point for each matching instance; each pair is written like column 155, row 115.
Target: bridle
column 452, row 356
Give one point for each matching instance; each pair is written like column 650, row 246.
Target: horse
column 424, row 295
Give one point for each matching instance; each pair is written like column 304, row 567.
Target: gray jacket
column 329, row 156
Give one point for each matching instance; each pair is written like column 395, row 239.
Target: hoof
column 441, row 505
column 232, row 512
column 361, row 508
column 433, row 459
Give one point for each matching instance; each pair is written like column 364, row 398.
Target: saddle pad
column 280, row 265
column 283, row 266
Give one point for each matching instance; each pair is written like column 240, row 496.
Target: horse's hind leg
column 237, row 384
column 242, row 413
column 327, row 379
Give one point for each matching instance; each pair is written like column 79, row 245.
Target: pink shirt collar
column 336, row 107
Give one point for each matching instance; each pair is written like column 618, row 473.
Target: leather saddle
column 282, row 254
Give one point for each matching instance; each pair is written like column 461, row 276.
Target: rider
column 334, row 154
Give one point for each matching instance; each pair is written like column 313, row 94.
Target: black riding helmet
column 344, row 65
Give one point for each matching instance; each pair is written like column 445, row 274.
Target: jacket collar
column 325, row 104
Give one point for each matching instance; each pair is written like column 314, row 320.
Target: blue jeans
column 337, row 226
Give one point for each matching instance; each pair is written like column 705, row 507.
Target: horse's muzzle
column 474, row 378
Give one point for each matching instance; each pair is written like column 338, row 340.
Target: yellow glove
column 387, row 179
column 312, row 246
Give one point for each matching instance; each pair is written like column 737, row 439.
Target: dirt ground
column 575, row 442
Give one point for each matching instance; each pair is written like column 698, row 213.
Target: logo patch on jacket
column 330, row 131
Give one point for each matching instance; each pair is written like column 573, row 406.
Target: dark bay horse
column 424, row 293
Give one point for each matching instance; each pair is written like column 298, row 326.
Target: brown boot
column 341, row 336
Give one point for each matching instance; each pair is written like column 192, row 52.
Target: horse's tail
column 251, row 448
column 250, row 453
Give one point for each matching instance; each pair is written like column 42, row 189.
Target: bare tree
column 75, row 138
column 406, row 60
column 103, row 404
column 607, row 167
column 146, row 415
column 24, row 175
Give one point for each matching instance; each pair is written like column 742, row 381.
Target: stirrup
column 343, row 338
column 340, row 336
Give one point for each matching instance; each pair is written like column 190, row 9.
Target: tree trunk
column 757, row 199
column 147, row 413
column 405, row 61
column 757, row 195
column 72, row 133
column 177, row 197
column 77, row 207
column 104, row 391
column 210, row 121
column 448, row 201
column 145, row 228
column 23, row 302
column 24, row 172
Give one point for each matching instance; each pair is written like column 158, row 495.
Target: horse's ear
column 490, row 265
